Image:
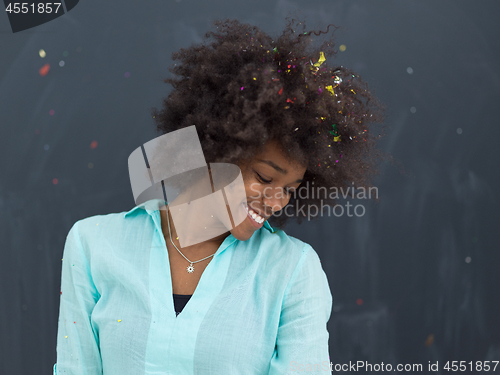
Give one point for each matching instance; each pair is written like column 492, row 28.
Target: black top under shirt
column 180, row 301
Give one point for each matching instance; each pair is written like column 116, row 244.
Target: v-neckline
column 207, row 272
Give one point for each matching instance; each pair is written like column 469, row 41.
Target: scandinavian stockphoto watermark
column 28, row 14
column 320, row 194
column 206, row 200
column 365, row 366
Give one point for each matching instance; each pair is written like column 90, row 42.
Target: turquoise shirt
column 261, row 306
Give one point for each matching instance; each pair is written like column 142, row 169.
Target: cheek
column 253, row 190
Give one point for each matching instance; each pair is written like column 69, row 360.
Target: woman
column 250, row 300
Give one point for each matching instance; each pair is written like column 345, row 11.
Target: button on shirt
column 261, row 306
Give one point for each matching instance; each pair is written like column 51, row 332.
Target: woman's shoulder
column 110, row 224
column 278, row 240
column 278, row 246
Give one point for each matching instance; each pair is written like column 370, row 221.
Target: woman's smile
column 254, row 218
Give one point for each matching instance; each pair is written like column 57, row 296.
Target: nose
column 275, row 199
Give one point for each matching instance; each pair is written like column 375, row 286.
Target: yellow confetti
column 330, row 88
column 42, row 53
column 254, row 78
column 353, row 91
column 65, row 337
column 321, row 59
column 336, row 139
column 342, row 48
column 119, row 320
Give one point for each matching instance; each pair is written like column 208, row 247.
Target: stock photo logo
column 205, row 200
column 25, row 15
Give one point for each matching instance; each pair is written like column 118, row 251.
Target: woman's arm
column 77, row 341
column 302, row 340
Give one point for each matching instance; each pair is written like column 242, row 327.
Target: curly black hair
column 245, row 88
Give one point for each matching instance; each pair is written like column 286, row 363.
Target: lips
column 256, row 220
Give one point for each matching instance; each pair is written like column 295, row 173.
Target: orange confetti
column 93, row 144
column 44, row 70
column 429, row 340
column 55, row 181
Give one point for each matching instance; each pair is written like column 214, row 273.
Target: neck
column 199, row 250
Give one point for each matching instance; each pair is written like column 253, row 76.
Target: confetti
column 321, row 60
column 429, row 340
column 44, row 70
column 334, row 132
column 42, row 53
column 342, row 48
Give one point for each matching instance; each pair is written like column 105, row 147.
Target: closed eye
column 262, row 179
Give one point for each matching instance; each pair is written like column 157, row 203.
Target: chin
column 240, row 235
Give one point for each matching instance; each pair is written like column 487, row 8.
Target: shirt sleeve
column 302, row 338
column 77, row 340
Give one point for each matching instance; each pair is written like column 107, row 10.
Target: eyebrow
column 277, row 167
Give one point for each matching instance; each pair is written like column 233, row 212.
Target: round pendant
column 190, row 268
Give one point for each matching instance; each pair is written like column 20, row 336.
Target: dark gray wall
column 414, row 280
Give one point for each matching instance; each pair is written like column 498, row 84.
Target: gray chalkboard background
column 416, row 279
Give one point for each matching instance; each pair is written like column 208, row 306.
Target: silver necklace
column 189, row 268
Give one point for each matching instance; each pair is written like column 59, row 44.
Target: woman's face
column 270, row 179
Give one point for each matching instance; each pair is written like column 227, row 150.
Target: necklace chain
column 189, row 268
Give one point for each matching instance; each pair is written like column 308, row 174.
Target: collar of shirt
column 153, row 205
